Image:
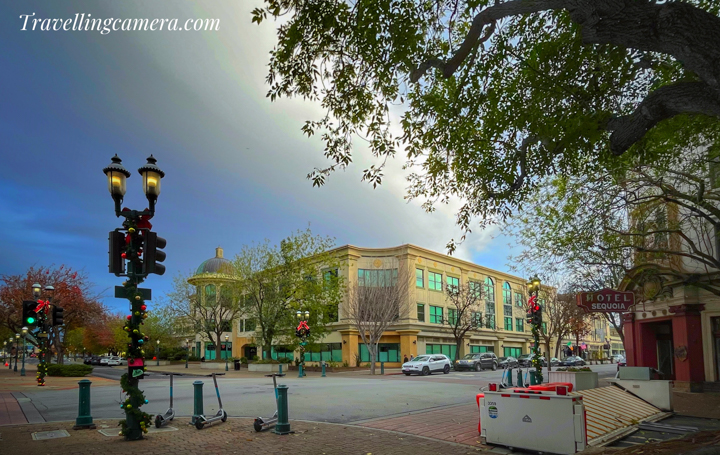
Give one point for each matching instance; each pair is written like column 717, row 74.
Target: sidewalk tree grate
column 42, row 435
column 114, row 432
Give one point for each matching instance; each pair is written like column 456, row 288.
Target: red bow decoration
column 303, row 325
column 43, row 306
column 144, row 222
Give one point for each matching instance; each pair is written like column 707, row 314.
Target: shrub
column 255, row 358
column 285, row 360
column 243, row 359
column 264, row 361
column 574, row 369
column 69, row 370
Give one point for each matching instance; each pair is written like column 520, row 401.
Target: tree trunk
column 548, row 356
column 458, row 345
column 372, row 350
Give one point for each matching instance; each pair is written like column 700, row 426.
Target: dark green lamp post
column 302, row 332
column 187, row 354
column 157, row 353
column 226, row 352
column 24, row 335
column 536, row 325
column 135, row 246
column 17, row 348
column 9, row 356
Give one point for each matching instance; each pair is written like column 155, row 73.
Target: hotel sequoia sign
column 606, row 301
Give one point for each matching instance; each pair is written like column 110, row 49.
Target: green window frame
column 477, row 320
column 375, row 278
column 419, row 278
column 436, row 314
column 508, row 324
column 324, row 351
column 421, row 312
column 476, row 289
column 519, row 325
column 387, row 352
column 435, row 281
column 447, row 349
column 453, row 282
column 512, row 352
column 507, row 294
column 452, row 316
column 519, row 301
column 544, row 327
column 490, row 290
column 481, row 349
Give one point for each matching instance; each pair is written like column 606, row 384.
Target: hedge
column 69, row 370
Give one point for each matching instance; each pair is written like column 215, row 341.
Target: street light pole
column 302, row 332
column 9, row 356
column 17, row 348
column 226, row 354
column 24, row 333
column 157, row 354
column 4, row 352
column 187, row 354
column 534, row 288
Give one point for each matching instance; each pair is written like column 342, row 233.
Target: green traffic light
column 31, row 320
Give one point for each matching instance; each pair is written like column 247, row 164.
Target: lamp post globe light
column 157, row 353
column 136, row 247
column 24, row 335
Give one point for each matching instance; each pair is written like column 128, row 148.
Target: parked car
column 426, row 364
column 104, row 361
column 92, row 360
column 621, row 363
column 508, row 362
column 618, row 358
column 572, row 361
column 115, row 361
column 526, row 360
column 554, row 361
column 477, row 361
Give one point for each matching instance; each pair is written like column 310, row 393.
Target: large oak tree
column 488, row 98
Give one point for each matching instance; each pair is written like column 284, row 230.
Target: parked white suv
column 115, row 361
column 426, row 364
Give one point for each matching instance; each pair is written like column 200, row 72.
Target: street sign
column 121, row 293
column 606, row 301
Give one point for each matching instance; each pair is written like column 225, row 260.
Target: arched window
column 489, row 289
column 507, row 294
column 490, row 302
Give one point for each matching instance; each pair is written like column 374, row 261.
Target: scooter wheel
column 257, row 426
column 199, row 424
column 158, row 422
column 224, row 416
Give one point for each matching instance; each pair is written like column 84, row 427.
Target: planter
column 214, row 365
column 582, row 380
column 265, row 367
column 152, row 363
column 319, row 369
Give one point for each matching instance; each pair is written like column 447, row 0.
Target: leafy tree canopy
column 494, row 96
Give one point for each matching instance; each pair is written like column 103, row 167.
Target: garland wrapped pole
column 137, row 247
column 535, row 320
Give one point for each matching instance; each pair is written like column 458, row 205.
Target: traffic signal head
column 537, row 315
column 29, row 316
column 153, row 254
column 117, row 244
column 57, row 316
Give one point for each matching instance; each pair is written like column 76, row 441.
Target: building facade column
column 688, row 345
column 629, row 331
column 408, row 343
column 349, row 346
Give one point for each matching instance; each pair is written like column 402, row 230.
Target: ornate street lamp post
column 5, row 354
column 226, row 352
column 187, row 354
column 302, row 332
column 136, row 246
column 157, row 353
column 535, row 313
column 9, row 356
column 24, row 335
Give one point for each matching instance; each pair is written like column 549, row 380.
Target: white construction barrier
column 543, row 421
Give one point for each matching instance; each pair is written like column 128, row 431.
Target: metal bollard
column 509, row 375
column 520, row 378
column 323, row 370
column 534, row 378
column 84, row 419
column 300, row 371
column 197, row 402
column 280, row 369
column 283, row 425
column 382, row 367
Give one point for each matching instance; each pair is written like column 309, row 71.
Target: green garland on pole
column 42, row 367
column 136, row 421
column 537, row 363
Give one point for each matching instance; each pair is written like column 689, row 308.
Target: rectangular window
column 419, row 278
column 519, row 301
column 477, row 320
column 544, row 327
column 435, row 281
column 507, row 309
column 330, row 278
column 421, row 312
column 333, row 315
column 375, row 278
column 508, row 324
column 447, row 349
column 512, row 352
column 490, row 321
column 436, row 315
column 326, row 351
column 481, row 349
column 387, row 352
column 453, row 282
column 476, row 289
column 519, row 324
column 452, row 316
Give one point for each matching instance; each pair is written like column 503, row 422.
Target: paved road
column 338, row 398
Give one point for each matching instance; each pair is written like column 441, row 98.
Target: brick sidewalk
column 234, row 436
column 11, row 381
column 454, row 424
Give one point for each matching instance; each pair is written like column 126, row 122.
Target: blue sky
column 235, row 163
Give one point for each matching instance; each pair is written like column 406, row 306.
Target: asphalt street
column 338, row 398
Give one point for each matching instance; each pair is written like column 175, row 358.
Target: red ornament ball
column 143, row 307
column 129, row 317
column 123, row 255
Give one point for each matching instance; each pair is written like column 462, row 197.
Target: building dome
column 218, row 264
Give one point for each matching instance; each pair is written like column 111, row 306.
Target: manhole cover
column 41, row 435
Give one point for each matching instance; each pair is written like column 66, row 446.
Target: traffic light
column 57, row 315
column 152, row 246
column 537, row 316
column 117, row 244
column 29, row 316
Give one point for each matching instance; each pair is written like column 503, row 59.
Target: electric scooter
column 164, row 419
column 260, row 424
column 221, row 415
